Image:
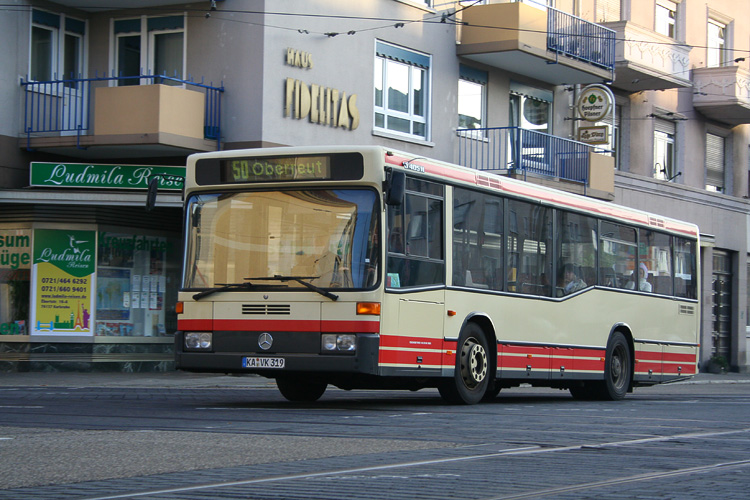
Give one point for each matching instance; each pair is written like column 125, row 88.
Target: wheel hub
column 474, row 364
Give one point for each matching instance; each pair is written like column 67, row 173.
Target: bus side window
column 415, row 237
column 685, row 268
column 576, row 247
column 477, row 240
column 617, row 254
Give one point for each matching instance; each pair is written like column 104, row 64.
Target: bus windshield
column 326, row 237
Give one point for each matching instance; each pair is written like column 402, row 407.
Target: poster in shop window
column 62, row 279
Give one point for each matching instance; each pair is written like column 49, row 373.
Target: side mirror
column 395, row 186
column 153, row 188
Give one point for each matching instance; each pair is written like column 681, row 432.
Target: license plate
column 262, row 362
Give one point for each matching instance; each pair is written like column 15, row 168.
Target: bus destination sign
column 282, row 169
column 260, row 169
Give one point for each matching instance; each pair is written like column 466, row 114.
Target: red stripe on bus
column 194, row 324
column 679, row 357
column 276, row 325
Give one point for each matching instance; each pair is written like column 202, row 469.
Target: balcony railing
column 574, row 37
column 517, row 151
column 64, row 106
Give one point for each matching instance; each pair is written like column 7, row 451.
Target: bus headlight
column 338, row 342
column 198, row 340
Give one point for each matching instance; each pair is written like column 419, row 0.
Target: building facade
column 98, row 99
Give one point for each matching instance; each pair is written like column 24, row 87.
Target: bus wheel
column 471, row 377
column 300, row 390
column 617, row 368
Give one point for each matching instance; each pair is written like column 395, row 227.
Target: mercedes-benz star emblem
column 265, row 341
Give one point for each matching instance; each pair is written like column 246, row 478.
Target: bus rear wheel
column 618, row 368
column 300, row 390
column 472, row 374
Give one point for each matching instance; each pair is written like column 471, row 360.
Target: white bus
column 362, row 267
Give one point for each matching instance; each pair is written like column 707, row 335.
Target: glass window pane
column 42, row 53
column 419, row 129
column 399, row 124
column 379, row 83
column 397, row 76
column 418, row 85
column 15, row 284
column 470, row 104
column 685, row 268
column 576, row 247
column 72, row 64
column 654, row 263
column 129, row 59
column 168, row 56
column 529, row 248
column 477, row 240
column 617, row 254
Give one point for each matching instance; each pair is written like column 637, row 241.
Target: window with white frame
column 715, row 162
column 717, row 43
column 472, row 95
column 152, row 46
column 664, row 149
column 57, row 44
column 666, row 16
column 402, row 79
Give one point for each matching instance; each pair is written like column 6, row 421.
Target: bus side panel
column 411, row 337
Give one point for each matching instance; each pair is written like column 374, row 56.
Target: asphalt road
column 193, row 437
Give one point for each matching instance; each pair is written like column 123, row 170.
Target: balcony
column 538, row 157
column 646, row 60
column 722, row 94
column 528, row 39
column 148, row 116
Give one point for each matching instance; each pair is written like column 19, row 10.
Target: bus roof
column 533, row 191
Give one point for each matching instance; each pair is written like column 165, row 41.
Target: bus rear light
column 199, row 341
column 179, row 307
column 369, row 308
column 338, row 342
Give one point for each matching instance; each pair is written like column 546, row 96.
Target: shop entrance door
column 722, row 305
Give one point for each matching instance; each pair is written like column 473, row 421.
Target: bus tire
column 618, row 368
column 300, row 390
column 472, row 374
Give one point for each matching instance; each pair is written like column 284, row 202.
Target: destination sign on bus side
column 257, row 169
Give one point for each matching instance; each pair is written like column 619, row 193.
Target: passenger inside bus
column 571, row 282
column 643, row 284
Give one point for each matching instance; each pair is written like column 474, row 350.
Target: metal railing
column 513, row 150
column 580, row 39
column 64, row 106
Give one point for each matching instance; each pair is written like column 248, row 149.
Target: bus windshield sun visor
column 301, row 281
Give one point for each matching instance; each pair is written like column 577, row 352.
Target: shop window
column 136, row 281
column 15, row 281
column 401, row 91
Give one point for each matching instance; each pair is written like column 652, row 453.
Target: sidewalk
column 206, row 380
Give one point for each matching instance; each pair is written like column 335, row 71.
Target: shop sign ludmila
column 85, row 175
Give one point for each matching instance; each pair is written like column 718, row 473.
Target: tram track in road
column 422, row 469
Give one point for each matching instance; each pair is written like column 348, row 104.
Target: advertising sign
column 593, row 103
column 62, row 277
column 594, row 135
column 85, row 175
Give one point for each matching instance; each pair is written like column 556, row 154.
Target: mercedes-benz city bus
column 362, row 267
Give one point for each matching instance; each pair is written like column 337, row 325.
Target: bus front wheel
column 300, row 390
column 472, row 374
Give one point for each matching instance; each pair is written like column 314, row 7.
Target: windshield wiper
column 228, row 286
column 301, row 281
